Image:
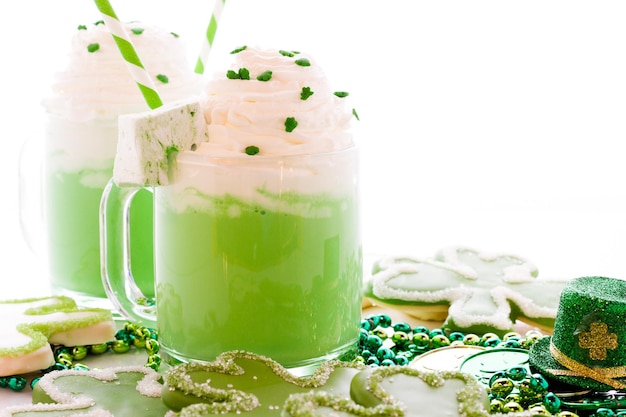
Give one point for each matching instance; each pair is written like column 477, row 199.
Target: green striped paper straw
column 207, row 42
column 124, row 44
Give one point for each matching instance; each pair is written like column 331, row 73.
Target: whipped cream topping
column 274, row 127
column 96, row 82
column 270, row 114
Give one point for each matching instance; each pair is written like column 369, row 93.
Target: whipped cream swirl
column 270, row 114
column 97, row 83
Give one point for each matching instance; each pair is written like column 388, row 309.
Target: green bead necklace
column 514, row 390
column 68, row 357
column 383, row 343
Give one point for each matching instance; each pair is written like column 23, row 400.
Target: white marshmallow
column 147, row 140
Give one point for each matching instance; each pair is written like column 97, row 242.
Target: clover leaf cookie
column 243, row 383
column 397, row 391
column 469, row 290
column 28, row 326
column 121, row 392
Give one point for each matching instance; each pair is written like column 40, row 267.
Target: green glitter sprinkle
column 93, row 47
column 290, row 124
column 303, row 62
column 264, row 76
column 355, row 114
column 252, row 150
column 341, row 94
column 82, row 27
column 163, row 78
column 137, row 31
column 236, row 51
column 306, row 93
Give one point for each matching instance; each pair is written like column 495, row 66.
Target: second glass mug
column 255, row 253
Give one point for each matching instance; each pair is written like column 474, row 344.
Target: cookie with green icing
column 395, row 391
column 242, row 383
column 28, row 326
column 468, row 290
column 121, row 391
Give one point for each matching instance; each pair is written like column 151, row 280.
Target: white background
column 493, row 124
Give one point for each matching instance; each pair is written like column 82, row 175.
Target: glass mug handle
column 117, row 277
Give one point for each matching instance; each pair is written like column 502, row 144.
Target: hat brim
column 542, row 361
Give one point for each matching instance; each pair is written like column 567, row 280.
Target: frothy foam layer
column 97, row 83
column 278, row 102
column 294, row 183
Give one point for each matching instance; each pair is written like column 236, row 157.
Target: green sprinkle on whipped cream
column 174, row 34
column 99, row 22
column 236, row 51
column 290, row 124
column 137, row 31
column 264, row 76
column 341, row 94
column 355, row 114
column 163, row 78
column 303, row 62
column 306, row 93
column 93, row 47
column 82, row 27
column 252, row 150
column 242, row 74
column 289, row 54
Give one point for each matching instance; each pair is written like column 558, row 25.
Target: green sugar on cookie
column 345, row 389
column 240, row 382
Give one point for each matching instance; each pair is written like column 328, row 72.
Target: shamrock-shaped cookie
column 244, row 384
column 397, row 391
column 27, row 327
column 471, row 291
column 122, row 392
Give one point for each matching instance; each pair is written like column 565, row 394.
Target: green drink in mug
column 80, row 142
column 257, row 233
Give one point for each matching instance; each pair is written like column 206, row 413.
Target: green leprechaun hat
column 588, row 345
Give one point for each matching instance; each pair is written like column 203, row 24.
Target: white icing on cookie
column 481, row 289
column 520, row 270
column 148, row 386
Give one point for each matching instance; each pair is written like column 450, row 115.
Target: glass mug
column 63, row 174
column 255, row 253
column 60, row 205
